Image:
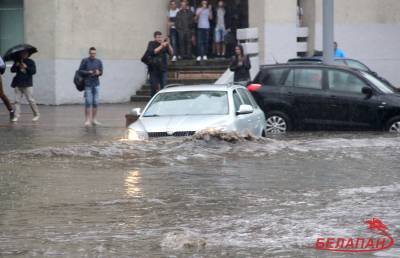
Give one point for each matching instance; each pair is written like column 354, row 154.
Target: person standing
column 184, row 25
column 91, row 68
column 240, row 65
column 203, row 17
column 173, row 33
column 338, row 52
column 158, row 51
column 22, row 83
column 220, row 29
column 3, row 96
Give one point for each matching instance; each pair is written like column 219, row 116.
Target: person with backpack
column 91, row 69
column 3, row 96
column 156, row 59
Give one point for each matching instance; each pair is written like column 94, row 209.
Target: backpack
column 153, row 62
column 79, row 81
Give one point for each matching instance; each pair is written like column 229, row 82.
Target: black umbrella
column 14, row 53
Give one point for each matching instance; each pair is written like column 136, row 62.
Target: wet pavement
column 68, row 191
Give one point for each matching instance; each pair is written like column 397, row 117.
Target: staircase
column 187, row 72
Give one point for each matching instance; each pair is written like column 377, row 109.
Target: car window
column 245, row 97
column 305, row 78
column 345, row 82
column 357, row 65
column 271, row 77
column 236, row 100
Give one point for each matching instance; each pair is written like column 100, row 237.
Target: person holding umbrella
column 24, row 68
column 2, row 94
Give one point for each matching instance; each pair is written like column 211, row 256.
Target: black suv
column 298, row 95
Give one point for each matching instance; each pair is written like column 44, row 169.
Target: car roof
column 309, row 65
column 204, row 87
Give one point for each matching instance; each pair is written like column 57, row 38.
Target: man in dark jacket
column 158, row 51
column 24, row 68
column 91, row 68
column 2, row 94
column 184, row 25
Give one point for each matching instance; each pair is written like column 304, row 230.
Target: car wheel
column 277, row 123
column 393, row 126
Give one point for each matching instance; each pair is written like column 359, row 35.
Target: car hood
column 181, row 123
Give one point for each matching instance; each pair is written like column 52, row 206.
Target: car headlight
column 134, row 135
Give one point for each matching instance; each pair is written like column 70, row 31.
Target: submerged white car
column 185, row 110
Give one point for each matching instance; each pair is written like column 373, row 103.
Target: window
column 357, row 65
column 271, row 77
column 344, row 81
column 11, row 24
column 236, row 100
column 305, row 78
column 245, row 97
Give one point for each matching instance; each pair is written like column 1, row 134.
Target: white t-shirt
column 204, row 14
column 172, row 16
column 221, row 18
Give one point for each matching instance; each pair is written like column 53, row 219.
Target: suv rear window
column 310, row 78
column 271, row 77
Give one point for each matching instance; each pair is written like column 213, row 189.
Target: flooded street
column 67, row 191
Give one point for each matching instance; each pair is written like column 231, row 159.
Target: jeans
column 219, row 35
column 19, row 94
column 4, row 97
column 202, row 41
column 185, row 43
column 158, row 80
column 173, row 34
column 92, row 96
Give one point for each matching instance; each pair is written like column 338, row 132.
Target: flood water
column 66, row 191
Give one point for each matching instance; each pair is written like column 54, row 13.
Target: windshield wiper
column 155, row 115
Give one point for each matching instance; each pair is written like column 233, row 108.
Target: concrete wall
column 276, row 20
column 63, row 30
column 368, row 30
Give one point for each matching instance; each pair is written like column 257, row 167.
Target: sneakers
column 95, row 122
column 36, row 118
column 88, row 123
column 205, row 58
column 174, row 59
column 12, row 115
column 198, row 59
column 15, row 119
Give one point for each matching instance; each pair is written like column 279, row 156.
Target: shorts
column 92, row 96
column 219, row 35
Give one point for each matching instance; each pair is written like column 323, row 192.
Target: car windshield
column 378, row 83
column 185, row 103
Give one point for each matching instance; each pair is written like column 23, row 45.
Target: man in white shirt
column 2, row 95
column 220, row 29
column 203, row 16
column 173, row 33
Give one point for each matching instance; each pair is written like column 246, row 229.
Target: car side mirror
column 367, row 91
column 245, row 109
column 136, row 111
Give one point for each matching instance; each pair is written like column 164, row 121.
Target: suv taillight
column 254, row 87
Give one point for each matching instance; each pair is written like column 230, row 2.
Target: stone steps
column 188, row 72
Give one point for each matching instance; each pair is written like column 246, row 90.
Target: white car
column 185, row 110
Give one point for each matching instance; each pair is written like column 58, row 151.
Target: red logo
column 359, row 244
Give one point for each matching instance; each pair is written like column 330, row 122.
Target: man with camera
column 157, row 61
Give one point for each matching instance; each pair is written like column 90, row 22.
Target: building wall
column 276, row 20
column 367, row 30
column 63, row 31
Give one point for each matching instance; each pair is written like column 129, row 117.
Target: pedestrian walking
column 91, row 68
column 156, row 58
column 184, row 26
column 24, row 68
column 203, row 16
column 173, row 32
column 338, row 52
column 240, row 65
column 3, row 96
